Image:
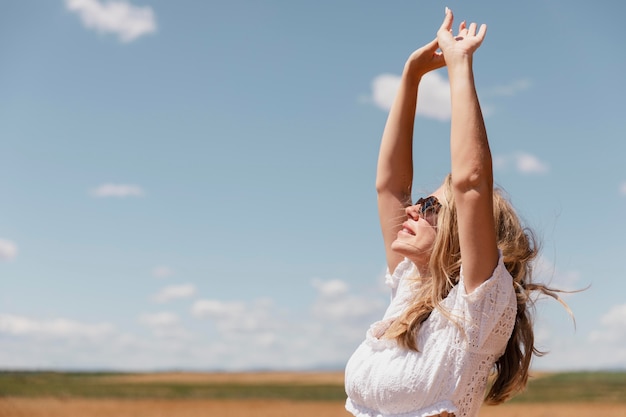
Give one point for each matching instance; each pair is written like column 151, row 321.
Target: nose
column 412, row 212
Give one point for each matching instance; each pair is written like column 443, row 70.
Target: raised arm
column 394, row 174
column 471, row 165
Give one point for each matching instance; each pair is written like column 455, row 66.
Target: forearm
column 469, row 148
column 395, row 159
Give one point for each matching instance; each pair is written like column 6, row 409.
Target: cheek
column 425, row 232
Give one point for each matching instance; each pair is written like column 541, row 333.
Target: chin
column 404, row 248
column 415, row 254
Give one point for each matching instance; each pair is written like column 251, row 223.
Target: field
column 39, row 394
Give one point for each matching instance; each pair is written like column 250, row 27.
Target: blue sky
column 190, row 184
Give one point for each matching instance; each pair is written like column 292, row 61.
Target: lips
column 406, row 229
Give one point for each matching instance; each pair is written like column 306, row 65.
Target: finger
column 482, row 32
column 462, row 26
column 438, row 61
column 472, row 29
column 447, row 21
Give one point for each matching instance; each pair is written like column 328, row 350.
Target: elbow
column 393, row 184
column 473, row 180
column 382, row 185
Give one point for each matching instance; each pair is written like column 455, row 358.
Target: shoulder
column 500, row 280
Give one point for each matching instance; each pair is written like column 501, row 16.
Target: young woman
column 459, row 263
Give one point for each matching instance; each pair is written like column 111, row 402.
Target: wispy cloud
column 175, row 292
column 332, row 288
column 8, row 250
column 433, row 95
column 162, row 272
column 121, row 18
column 217, row 309
column 117, row 190
column 56, row 328
column 510, row 89
column 162, row 319
column 612, row 327
column 164, row 325
column 522, row 162
column 326, row 333
column 252, row 334
column 622, row 188
column 545, row 271
column 237, row 322
column 336, row 303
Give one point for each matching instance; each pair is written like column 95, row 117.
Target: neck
column 421, row 265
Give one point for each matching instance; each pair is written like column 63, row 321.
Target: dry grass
column 53, row 407
column 17, row 407
column 228, row 377
column 555, row 410
column 69, row 404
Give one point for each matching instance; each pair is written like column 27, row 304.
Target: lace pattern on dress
column 450, row 371
column 492, row 299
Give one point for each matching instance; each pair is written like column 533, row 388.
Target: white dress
column 449, row 373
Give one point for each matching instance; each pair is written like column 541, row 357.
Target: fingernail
column 447, row 10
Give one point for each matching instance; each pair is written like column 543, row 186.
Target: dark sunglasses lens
column 428, row 204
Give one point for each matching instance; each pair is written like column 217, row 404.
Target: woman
column 459, row 263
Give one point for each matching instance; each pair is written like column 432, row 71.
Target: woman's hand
column 425, row 59
column 462, row 46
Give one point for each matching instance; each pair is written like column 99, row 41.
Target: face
column 416, row 238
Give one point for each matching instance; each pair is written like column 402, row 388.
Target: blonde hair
column 519, row 248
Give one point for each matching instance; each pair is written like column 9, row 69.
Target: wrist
column 414, row 70
column 412, row 73
column 459, row 62
column 460, row 67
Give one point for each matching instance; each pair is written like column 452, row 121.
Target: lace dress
column 449, row 373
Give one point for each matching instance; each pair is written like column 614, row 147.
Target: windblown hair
column 519, row 248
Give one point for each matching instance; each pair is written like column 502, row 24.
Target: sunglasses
column 428, row 205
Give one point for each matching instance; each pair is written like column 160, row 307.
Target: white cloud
column 164, row 325
column 335, row 303
column 8, row 250
column 325, row 333
column 433, row 99
column 237, row 317
column 229, row 335
column 384, row 89
column 616, row 319
column 217, row 309
column 117, row 190
column 55, row 328
column 244, row 335
column 162, row 272
column 545, row 271
column 612, row 327
column 622, row 188
column 332, row 288
column 530, row 164
column 523, row 162
column 175, row 292
column 510, row 89
column 433, row 94
column 241, row 324
column 126, row 21
column 29, row 343
column 162, row 319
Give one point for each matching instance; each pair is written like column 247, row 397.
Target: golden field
column 38, row 402
column 80, row 407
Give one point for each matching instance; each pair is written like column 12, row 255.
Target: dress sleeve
column 489, row 311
